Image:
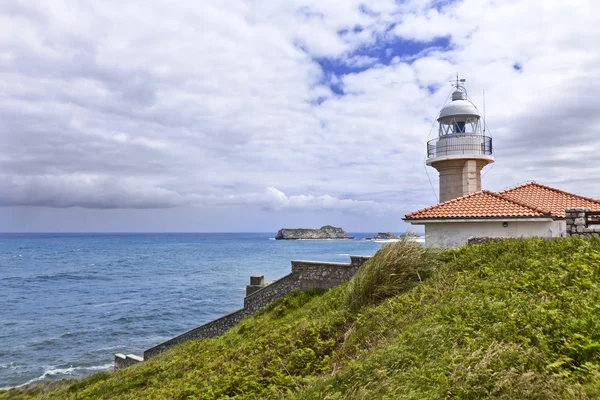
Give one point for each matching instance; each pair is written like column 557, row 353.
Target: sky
column 255, row 115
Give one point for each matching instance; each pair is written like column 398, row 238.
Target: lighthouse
column 461, row 149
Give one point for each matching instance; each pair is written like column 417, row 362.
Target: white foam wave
column 53, row 371
column 11, row 365
column 109, row 348
column 112, row 303
column 419, row 239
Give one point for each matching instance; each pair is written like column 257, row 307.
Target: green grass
column 517, row 319
column 393, row 269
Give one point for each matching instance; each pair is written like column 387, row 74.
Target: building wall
column 456, row 234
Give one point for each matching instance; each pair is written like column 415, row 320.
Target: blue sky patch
column 382, row 52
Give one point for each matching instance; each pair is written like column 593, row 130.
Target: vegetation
column 409, row 235
column 393, row 269
column 517, row 319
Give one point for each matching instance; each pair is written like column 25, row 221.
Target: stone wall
column 124, row 361
column 214, row 328
column 487, row 239
column 305, row 275
column 484, row 239
column 577, row 224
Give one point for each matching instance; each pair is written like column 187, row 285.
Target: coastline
column 129, row 291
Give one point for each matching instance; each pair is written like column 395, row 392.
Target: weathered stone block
column 257, row 280
column 580, row 221
column 484, row 239
column 579, row 229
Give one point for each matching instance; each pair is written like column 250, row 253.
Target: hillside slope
column 518, row 319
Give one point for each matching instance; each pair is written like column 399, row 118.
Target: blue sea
column 68, row 302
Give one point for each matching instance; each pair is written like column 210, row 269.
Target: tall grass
column 518, row 319
column 395, row 268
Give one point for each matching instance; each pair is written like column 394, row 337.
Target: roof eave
column 418, row 221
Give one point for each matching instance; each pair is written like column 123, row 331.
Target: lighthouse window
column 459, row 126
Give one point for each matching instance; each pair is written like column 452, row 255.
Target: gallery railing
column 459, row 144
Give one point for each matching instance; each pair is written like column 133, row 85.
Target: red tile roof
column 546, row 198
column 530, row 200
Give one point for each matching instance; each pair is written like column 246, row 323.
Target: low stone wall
column 577, row 224
column 268, row 294
column 214, row 328
column 305, row 275
column 484, row 239
column 487, row 239
column 124, row 361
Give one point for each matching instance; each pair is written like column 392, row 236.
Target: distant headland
column 325, row 232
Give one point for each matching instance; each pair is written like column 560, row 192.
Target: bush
column 393, row 269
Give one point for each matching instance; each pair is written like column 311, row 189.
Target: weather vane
column 458, row 82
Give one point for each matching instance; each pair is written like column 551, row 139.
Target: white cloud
column 114, row 193
column 211, row 102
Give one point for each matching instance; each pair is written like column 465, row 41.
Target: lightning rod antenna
column 483, row 112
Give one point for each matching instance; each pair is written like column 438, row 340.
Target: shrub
column 394, row 268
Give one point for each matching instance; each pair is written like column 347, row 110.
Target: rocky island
column 391, row 236
column 325, row 232
column 383, row 236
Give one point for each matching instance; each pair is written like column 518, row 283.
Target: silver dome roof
column 459, row 106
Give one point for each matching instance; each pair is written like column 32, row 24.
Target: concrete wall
column 577, row 225
column 456, row 234
column 305, row 275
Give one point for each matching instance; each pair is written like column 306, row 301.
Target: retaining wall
column 577, row 224
column 305, row 275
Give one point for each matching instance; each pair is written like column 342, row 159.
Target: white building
column 459, row 154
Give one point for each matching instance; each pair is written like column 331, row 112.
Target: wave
column 61, row 276
column 112, row 303
column 325, row 240
column 415, row 239
column 11, row 365
column 53, row 371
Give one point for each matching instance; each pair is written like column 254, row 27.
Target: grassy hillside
column 518, row 319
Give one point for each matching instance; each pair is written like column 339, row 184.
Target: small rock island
column 325, row 232
column 391, row 236
column 384, row 236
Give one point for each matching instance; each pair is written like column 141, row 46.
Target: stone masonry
column 305, row 275
column 577, row 224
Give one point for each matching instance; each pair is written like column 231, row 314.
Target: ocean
column 68, row 302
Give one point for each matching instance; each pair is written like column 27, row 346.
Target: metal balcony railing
column 592, row 218
column 459, row 144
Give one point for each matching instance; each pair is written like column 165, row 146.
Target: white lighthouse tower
column 461, row 150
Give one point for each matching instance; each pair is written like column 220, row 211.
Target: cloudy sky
column 254, row 115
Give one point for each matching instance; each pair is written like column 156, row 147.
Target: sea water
column 68, row 302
